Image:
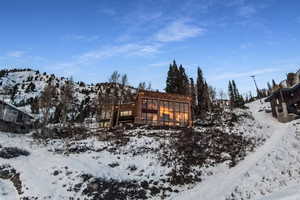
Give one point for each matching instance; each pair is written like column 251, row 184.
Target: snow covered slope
column 147, row 162
column 271, row 172
column 21, row 87
column 7, row 190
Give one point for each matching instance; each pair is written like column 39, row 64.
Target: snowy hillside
column 137, row 163
column 242, row 155
column 271, row 172
column 23, row 87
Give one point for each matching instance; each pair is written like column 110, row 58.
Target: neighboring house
column 285, row 100
column 13, row 119
column 223, row 103
column 153, row 108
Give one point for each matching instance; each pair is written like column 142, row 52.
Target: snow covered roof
column 16, row 108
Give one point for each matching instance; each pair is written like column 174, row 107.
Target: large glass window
column 126, row 113
column 144, row 116
column 181, row 113
column 152, row 105
column 177, row 107
column 149, row 111
column 106, row 114
column 144, row 104
column 164, row 112
column 104, row 124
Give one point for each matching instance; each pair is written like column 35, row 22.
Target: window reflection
column 106, row 114
column 126, row 113
column 164, row 112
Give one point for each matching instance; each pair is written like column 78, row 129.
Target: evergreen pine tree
column 175, row 78
column 172, row 85
column 193, row 96
column 169, row 79
column 183, row 81
column 269, row 86
column 274, row 83
column 269, row 89
column 14, row 92
column 30, row 88
column 236, row 99
column 206, row 98
column 231, row 94
column 275, row 86
column 200, row 92
column 235, row 91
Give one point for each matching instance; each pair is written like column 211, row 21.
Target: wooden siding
column 136, row 110
column 160, row 99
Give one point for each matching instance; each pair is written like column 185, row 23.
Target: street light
column 257, row 90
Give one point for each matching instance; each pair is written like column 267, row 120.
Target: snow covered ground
column 271, row 172
column 49, row 175
column 7, row 190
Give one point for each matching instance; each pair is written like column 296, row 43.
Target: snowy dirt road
column 221, row 186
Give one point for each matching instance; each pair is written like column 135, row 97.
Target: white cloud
column 233, row 75
column 178, row 31
column 68, row 68
column 131, row 49
column 16, row 54
column 246, row 11
column 81, row 37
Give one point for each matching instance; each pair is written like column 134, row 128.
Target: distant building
column 285, row 99
column 13, row 119
column 223, row 103
column 153, row 108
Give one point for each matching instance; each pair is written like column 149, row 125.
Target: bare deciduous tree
column 115, row 77
column 67, row 101
column 222, row 94
column 142, row 86
column 46, row 102
column 212, row 93
column 124, row 80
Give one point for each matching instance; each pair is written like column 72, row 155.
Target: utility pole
column 257, row 90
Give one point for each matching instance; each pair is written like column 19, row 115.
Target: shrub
column 12, row 152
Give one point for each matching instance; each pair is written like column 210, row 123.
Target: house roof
column 277, row 92
column 16, row 108
column 163, row 95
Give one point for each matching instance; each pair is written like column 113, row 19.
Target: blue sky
column 89, row 39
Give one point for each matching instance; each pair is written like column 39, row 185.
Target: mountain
column 22, row 87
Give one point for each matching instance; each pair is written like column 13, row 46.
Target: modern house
column 285, row 99
column 153, row 108
column 13, row 119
